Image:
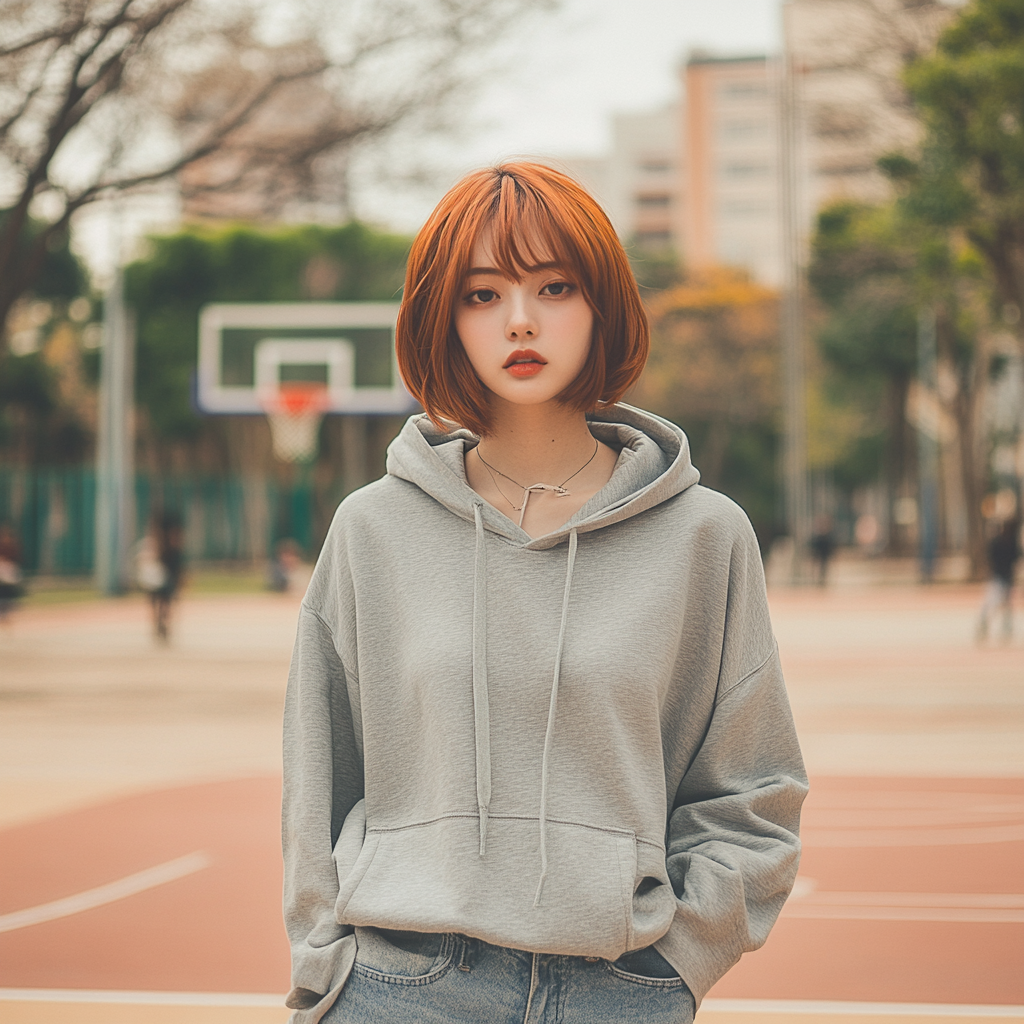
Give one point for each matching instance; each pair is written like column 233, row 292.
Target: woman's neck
column 530, row 445
column 537, row 444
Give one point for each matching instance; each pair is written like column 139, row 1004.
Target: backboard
column 248, row 350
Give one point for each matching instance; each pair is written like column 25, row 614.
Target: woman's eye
column 481, row 296
column 557, row 288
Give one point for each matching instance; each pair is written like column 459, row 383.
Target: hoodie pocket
column 353, row 853
column 430, row 877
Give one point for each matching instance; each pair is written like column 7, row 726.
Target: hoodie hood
column 653, row 466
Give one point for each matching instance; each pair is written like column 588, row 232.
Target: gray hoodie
column 577, row 744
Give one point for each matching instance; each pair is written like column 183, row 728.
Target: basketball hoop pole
column 115, row 497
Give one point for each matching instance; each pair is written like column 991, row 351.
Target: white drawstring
column 481, row 705
column 552, row 708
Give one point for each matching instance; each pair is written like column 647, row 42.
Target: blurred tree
column 863, row 274
column 714, row 369
column 875, row 268
column 61, row 274
column 28, row 397
column 39, row 422
column 38, row 427
column 656, row 270
column 970, row 172
column 102, row 96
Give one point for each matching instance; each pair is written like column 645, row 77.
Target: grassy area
column 200, row 579
column 44, row 591
column 226, row 580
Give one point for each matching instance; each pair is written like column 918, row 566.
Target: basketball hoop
column 295, row 410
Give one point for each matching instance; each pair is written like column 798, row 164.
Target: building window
column 744, row 170
column 743, row 130
column 843, row 124
column 741, row 208
column 741, row 90
column 653, row 201
column 846, row 169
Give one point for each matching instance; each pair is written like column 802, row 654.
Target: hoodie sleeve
column 732, row 843
column 323, row 782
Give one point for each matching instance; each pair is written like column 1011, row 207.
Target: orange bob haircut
column 536, row 215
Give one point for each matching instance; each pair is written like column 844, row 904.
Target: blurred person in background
column 160, row 567
column 12, row 581
column 150, row 574
column 823, row 547
column 538, row 750
column 281, row 570
column 1004, row 551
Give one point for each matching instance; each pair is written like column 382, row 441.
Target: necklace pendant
column 561, row 492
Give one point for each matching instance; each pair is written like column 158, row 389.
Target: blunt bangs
column 536, row 215
column 526, row 233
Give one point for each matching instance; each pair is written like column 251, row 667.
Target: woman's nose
column 521, row 323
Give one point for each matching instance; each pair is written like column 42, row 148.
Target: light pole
column 927, row 444
column 791, row 321
column 115, row 442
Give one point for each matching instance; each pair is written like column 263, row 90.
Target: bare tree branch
column 61, row 34
column 119, row 84
column 30, row 94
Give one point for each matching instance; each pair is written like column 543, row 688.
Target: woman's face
column 527, row 340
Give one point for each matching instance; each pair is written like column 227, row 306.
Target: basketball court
column 140, row 792
column 140, row 785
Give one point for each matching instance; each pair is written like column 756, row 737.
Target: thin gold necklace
column 559, row 489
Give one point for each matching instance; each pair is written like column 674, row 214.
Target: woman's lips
column 524, row 369
column 524, row 362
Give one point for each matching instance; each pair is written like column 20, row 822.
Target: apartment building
column 638, row 181
column 848, row 57
column 728, row 139
column 643, row 176
column 698, row 176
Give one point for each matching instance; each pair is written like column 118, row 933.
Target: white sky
column 564, row 75
column 597, row 57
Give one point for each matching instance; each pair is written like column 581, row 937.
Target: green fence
column 226, row 518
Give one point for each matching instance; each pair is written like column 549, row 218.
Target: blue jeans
column 418, row 978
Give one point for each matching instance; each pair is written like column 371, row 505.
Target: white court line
column 858, row 837
column 980, row 908
column 808, row 1006
column 73, row 995
column 792, row 1006
column 139, row 882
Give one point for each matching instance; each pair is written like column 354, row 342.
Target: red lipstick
column 524, row 362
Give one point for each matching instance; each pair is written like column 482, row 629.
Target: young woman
column 539, row 759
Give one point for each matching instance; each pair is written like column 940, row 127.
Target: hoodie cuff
column 318, row 977
column 302, row 998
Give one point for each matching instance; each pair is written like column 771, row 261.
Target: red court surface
column 910, row 892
